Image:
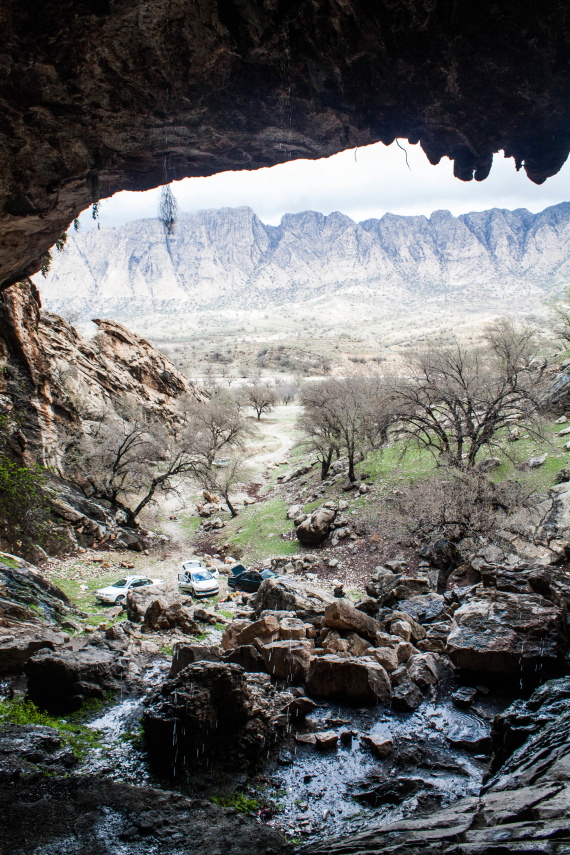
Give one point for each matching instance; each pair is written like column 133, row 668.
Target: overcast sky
column 364, row 183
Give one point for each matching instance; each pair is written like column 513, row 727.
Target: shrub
column 23, row 508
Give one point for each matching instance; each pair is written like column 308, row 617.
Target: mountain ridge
column 228, row 258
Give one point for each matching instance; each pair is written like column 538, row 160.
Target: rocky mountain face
column 54, row 384
column 228, row 258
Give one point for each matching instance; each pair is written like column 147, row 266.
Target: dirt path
column 277, row 436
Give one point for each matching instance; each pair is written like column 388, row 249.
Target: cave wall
column 98, row 96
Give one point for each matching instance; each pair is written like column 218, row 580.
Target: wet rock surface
column 213, row 713
column 522, row 808
column 91, row 816
column 25, row 595
column 504, row 632
column 63, row 680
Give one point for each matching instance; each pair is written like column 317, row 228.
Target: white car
column 117, row 593
column 196, row 564
column 198, row 582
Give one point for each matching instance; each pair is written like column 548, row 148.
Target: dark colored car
column 248, row 581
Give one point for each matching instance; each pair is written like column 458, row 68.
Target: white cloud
column 364, row 183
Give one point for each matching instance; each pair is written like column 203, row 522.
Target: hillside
column 229, row 259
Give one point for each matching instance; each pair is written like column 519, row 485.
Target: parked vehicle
column 198, row 582
column 196, row 564
column 248, row 581
column 117, row 594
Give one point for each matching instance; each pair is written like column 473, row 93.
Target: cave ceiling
column 98, row 96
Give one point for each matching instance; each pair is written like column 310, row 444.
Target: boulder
column 552, row 583
column 401, row 628
column 351, row 680
column 334, row 642
column 291, row 595
column 213, row 713
column 399, row 675
column 260, row 632
column 294, row 511
column 161, row 618
column 502, row 632
column 382, row 584
column 316, row 527
column 139, row 599
column 422, row 668
column 288, row 660
column 357, row 646
column 292, row 628
column 425, row 608
column 386, row 656
column 17, row 646
column 185, row 653
column 406, row 696
column 231, row 633
column 417, row 631
column 247, row 656
column 341, row 614
column 326, row 739
column 62, row 681
column 409, row 586
column 404, row 650
column 368, row 605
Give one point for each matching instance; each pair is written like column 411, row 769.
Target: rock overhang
column 103, row 95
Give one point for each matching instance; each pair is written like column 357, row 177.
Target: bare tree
column 456, row 400
column 224, row 479
column 260, row 397
column 560, row 309
column 344, row 414
column 286, row 392
column 127, row 463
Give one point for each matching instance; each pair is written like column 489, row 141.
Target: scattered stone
column 472, row 736
column 306, row 738
column 464, row 696
column 536, row 462
column 381, row 746
column 489, row 464
column 406, row 696
column 327, row 739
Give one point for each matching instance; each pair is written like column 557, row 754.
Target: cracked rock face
column 104, row 95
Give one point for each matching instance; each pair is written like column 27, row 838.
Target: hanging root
column 168, row 209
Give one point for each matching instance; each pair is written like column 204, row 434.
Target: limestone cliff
column 53, row 383
column 229, row 258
